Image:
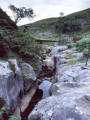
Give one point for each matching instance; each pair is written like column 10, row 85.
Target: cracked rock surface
column 70, row 90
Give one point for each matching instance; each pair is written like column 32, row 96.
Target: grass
column 49, row 24
column 39, row 34
column 25, row 74
column 35, row 66
column 69, row 56
column 45, row 21
column 72, row 62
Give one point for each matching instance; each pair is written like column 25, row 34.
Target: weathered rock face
column 49, row 62
column 72, row 73
column 17, row 86
column 28, row 75
column 45, row 87
column 70, row 98
column 71, row 101
column 11, row 83
column 55, row 49
column 48, row 68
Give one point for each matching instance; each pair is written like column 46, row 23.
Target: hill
column 73, row 24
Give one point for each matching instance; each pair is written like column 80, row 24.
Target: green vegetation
column 39, row 29
column 44, row 22
column 24, row 44
column 69, row 56
column 72, row 62
column 74, row 24
column 2, row 110
column 71, row 45
column 14, row 43
column 26, row 76
column 35, row 65
column 13, row 117
column 83, row 43
column 59, row 50
column 85, row 51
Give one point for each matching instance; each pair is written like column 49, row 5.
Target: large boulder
column 45, row 87
column 11, row 83
column 30, row 85
column 72, row 73
column 28, row 75
column 56, row 49
column 70, row 103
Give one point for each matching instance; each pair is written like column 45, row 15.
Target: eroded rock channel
column 70, row 88
column 60, row 92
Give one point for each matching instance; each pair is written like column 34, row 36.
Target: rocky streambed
column 60, row 92
column 70, row 89
column 18, row 84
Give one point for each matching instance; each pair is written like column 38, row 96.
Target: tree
column 20, row 13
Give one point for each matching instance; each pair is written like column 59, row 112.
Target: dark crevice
column 35, row 99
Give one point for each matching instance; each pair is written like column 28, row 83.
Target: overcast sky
column 46, row 8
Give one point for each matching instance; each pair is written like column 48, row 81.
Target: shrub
column 63, row 39
column 83, row 43
column 2, row 110
column 59, row 50
column 13, row 117
column 72, row 44
column 85, row 52
column 24, row 44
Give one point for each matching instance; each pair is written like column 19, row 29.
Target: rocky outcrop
column 18, row 84
column 11, row 83
column 70, row 98
column 69, row 105
column 28, row 75
column 30, row 87
column 45, row 87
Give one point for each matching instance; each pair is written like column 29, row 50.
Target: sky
column 46, row 8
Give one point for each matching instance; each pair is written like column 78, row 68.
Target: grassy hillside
column 73, row 24
column 43, row 29
column 45, row 21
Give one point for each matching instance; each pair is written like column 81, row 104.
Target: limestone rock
column 11, row 83
column 29, row 76
column 45, row 86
